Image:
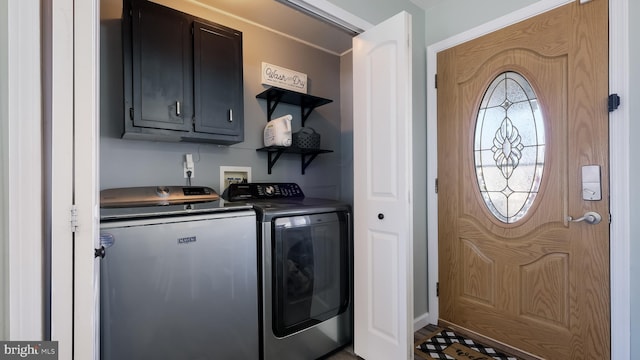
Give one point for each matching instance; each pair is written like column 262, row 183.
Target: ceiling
column 281, row 18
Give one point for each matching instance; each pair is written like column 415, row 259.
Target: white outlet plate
column 188, row 165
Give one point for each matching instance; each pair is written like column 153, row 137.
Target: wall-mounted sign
column 284, row 78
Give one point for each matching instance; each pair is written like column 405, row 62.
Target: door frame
column 618, row 161
column 22, row 182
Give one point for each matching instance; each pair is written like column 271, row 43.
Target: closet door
column 383, row 224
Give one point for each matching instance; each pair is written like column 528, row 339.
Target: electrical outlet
column 189, row 166
column 186, row 172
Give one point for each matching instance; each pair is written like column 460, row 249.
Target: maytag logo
column 186, row 240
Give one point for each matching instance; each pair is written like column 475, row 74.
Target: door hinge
column 614, row 102
column 131, row 113
column 436, row 185
column 435, row 81
column 74, row 218
column 438, row 289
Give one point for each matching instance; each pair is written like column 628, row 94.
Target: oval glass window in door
column 509, row 147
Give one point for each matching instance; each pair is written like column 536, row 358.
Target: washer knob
column 269, row 190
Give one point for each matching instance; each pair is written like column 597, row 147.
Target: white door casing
column 383, row 223
column 23, row 180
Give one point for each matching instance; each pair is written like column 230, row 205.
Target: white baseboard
column 421, row 321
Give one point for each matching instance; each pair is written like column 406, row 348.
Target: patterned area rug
column 445, row 344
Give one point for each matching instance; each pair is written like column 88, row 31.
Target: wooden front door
column 513, row 268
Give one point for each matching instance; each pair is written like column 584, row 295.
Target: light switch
column 591, row 183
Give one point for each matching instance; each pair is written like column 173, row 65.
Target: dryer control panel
column 260, row 191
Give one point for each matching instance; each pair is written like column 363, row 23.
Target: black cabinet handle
column 381, row 216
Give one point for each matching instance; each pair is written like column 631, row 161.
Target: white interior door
column 86, row 178
column 383, row 235
column 62, row 118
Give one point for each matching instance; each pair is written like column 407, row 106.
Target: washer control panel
column 259, row 191
column 155, row 195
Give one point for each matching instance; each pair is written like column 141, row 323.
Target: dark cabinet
column 162, row 70
column 183, row 77
column 219, row 106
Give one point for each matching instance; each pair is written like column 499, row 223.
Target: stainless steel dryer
column 306, row 270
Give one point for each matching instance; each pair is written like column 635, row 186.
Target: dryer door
column 310, row 267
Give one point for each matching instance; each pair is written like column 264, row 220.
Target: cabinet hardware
column 99, row 252
column 177, row 108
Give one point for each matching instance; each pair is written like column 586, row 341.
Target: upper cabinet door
column 218, row 80
column 162, row 70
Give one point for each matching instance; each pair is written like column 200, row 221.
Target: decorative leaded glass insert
column 509, row 147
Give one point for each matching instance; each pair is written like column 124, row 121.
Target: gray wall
column 445, row 19
column 4, row 148
column 140, row 163
column 346, row 124
column 633, row 102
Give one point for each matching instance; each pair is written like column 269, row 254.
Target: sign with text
column 29, row 350
column 284, row 78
